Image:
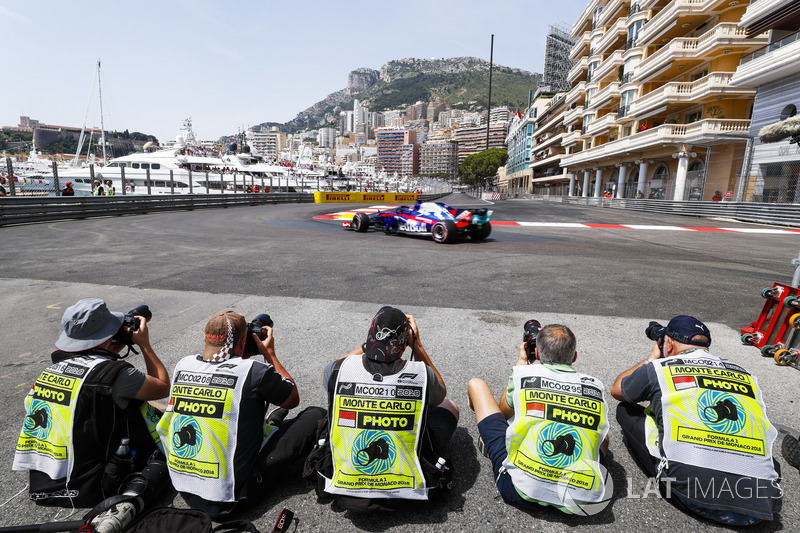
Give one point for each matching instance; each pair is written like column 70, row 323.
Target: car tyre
column 481, row 232
column 360, row 222
column 444, row 231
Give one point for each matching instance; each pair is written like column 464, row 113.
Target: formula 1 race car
column 445, row 224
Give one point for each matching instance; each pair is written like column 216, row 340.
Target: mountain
column 462, row 82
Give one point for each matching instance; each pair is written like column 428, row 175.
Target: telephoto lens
column 531, row 330
column 654, row 331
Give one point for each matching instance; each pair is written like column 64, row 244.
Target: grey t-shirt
column 127, row 386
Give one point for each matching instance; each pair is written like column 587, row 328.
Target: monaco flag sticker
column 535, row 409
column 347, row 419
column 684, row 382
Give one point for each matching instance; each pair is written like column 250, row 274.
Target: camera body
column 124, row 336
column 256, row 326
column 530, row 331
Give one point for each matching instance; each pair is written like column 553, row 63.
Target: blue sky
column 230, row 65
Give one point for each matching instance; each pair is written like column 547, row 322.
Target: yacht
column 186, row 166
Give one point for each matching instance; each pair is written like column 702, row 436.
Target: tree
column 477, row 167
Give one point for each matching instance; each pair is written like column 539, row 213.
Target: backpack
column 194, row 521
column 319, row 463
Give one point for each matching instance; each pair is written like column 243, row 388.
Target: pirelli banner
column 323, row 197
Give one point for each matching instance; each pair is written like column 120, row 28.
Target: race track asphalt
column 321, row 285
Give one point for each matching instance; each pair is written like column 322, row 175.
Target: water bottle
column 117, row 468
column 440, row 464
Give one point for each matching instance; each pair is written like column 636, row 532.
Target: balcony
column 581, row 44
column 576, row 94
column 722, row 39
column 706, row 88
column 609, row 68
column 570, row 138
column 578, row 71
column 602, row 124
column 573, row 115
column 603, row 97
column 612, row 9
column 614, row 35
column 669, row 21
column 775, row 61
column 701, row 132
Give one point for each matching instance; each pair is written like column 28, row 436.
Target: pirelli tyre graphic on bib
column 375, row 433
column 712, row 411
column 45, row 442
column 198, row 429
column 555, row 436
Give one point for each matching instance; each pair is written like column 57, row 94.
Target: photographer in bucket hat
column 222, row 449
column 393, row 413
column 83, row 405
column 705, row 436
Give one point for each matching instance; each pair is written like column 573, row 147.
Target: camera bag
column 185, row 521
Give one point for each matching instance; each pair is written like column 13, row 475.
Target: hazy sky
column 229, row 64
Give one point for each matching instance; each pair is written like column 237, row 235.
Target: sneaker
column 482, row 448
column 791, row 451
column 276, row 416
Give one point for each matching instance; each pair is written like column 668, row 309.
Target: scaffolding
column 557, row 63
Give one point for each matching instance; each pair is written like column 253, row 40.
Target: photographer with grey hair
column 548, row 429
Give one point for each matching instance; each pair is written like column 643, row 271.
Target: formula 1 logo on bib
column 374, row 452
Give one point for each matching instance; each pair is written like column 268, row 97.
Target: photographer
column 219, row 447
column 83, row 405
column 396, row 442
column 537, row 438
column 712, row 453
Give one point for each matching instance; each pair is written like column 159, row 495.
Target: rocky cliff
column 462, row 82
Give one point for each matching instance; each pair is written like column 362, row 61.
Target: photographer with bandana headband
column 220, row 449
column 389, row 419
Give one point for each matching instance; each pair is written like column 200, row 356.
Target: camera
column 256, row 326
column 124, row 336
column 655, row 331
column 531, row 330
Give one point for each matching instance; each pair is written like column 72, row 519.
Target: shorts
column 493, row 433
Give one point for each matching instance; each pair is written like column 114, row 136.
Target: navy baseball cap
column 388, row 335
column 683, row 327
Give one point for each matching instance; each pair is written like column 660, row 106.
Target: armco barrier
column 26, row 209
column 778, row 214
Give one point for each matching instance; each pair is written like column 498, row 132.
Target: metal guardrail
column 777, row 214
column 27, row 209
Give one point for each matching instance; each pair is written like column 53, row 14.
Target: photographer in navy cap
column 705, row 436
column 389, row 420
column 83, row 405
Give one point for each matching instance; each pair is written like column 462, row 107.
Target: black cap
column 388, row 335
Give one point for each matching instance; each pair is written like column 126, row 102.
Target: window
column 697, row 75
column 145, row 165
column 155, row 166
column 134, row 165
column 693, row 117
column 661, row 173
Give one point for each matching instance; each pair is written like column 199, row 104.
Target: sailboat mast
column 102, row 128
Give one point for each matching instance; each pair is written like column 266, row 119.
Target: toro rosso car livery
column 445, row 224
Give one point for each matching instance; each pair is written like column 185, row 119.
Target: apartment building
column 775, row 71
column 267, row 143
column 472, row 140
column 439, row 157
column 409, row 159
column 390, row 143
column 651, row 111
